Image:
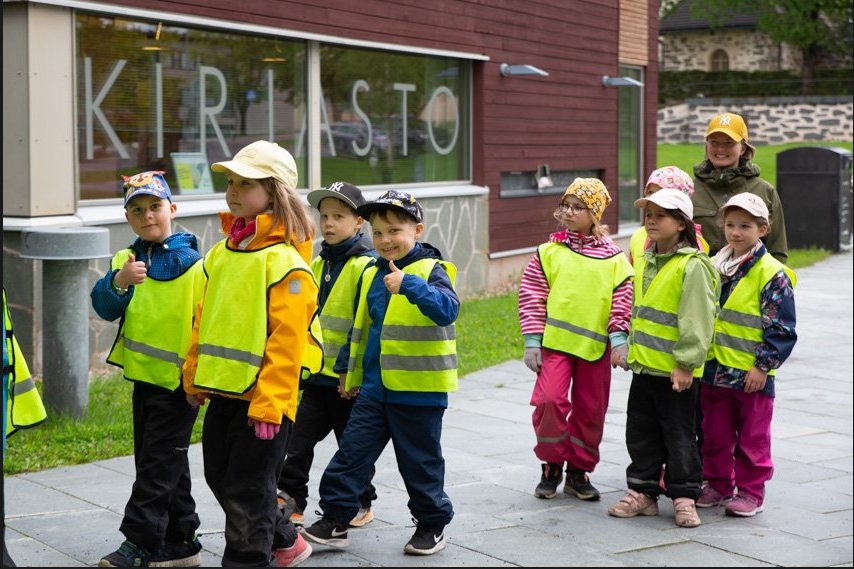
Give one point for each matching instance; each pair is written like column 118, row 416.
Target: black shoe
column 426, row 540
column 552, row 475
column 128, row 554
column 327, row 531
column 578, row 484
column 183, row 554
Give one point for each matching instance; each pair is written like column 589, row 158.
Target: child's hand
column 755, row 380
column 264, row 431
column 534, row 359
column 133, row 272
column 681, row 379
column 619, row 356
column 393, row 279
column 196, row 400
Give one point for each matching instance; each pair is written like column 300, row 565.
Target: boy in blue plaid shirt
column 153, row 286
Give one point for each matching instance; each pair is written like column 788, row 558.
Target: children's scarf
column 727, row 265
column 240, row 230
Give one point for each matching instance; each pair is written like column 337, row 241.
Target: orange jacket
column 288, row 318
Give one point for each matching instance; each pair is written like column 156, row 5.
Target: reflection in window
column 149, row 91
column 719, row 61
column 630, row 174
column 391, row 118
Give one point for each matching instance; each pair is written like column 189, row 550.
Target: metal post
column 65, row 325
column 64, row 252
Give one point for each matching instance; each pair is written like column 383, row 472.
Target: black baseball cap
column 344, row 191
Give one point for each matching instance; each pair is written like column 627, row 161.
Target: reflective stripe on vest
column 415, row 354
column 655, row 316
column 336, row 317
column 577, row 322
column 229, row 358
column 738, row 327
column 24, row 407
column 157, row 327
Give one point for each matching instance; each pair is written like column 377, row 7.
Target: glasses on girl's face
column 575, row 209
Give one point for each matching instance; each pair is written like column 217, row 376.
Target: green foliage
column 805, row 24
column 675, row 86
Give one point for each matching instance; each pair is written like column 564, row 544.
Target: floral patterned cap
column 393, row 199
column 673, row 178
column 592, row 192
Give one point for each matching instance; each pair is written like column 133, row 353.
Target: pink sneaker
column 744, row 505
column 711, row 497
column 293, row 555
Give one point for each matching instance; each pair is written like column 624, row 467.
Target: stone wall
column 747, row 50
column 770, row 121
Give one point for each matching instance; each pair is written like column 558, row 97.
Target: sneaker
column 686, row 513
column 426, row 540
column 288, row 502
column 711, row 497
column 550, row 480
column 128, row 554
column 633, row 504
column 365, row 516
column 183, row 554
column 327, row 531
column 743, row 505
column 293, row 555
column 578, row 485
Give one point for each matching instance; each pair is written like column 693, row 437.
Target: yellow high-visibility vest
column 156, row 329
column 577, row 322
column 24, row 407
column 738, row 327
column 415, row 354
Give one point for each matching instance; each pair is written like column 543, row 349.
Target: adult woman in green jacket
column 727, row 171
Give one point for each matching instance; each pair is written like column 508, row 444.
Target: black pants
column 660, row 430
column 241, row 471
column 160, row 507
column 321, row 410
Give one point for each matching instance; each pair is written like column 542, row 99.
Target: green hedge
column 676, row 86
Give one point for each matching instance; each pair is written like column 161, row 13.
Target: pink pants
column 732, row 417
column 570, row 399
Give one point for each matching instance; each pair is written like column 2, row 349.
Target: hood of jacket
column 712, row 176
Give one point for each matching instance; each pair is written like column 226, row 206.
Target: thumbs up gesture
column 393, row 279
column 133, row 272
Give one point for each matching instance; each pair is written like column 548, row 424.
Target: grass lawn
column 685, row 156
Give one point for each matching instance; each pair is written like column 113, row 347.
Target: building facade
column 406, row 95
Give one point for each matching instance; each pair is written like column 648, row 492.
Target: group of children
column 365, row 331
column 678, row 319
column 249, row 326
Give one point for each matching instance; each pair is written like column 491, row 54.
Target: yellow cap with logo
column 730, row 124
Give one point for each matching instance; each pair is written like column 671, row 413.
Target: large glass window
column 630, row 176
column 393, row 117
column 153, row 96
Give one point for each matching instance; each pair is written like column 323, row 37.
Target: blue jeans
column 415, row 431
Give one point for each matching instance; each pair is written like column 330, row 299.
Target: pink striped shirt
column 534, row 288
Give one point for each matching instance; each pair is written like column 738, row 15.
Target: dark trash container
column 814, row 183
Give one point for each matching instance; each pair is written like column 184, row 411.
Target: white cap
column 751, row 203
column 668, row 198
column 260, row 160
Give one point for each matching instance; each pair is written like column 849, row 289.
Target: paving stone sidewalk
column 69, row 517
